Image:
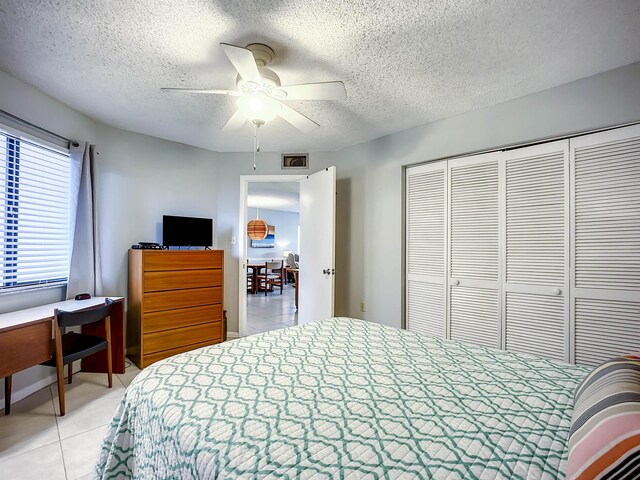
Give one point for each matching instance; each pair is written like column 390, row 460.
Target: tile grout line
column 117, row 375
column 55, row 415
column 53, row 404
column 60, row 439
column 51, row 396
column 64, row 464
column 75, row 435
column 86, row 431
column 16, row 454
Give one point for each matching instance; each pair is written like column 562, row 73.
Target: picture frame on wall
column 299, row 161
column 268, row 242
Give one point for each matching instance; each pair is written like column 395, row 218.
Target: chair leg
column 59, row 366
column 60, row 372
column 70, row 375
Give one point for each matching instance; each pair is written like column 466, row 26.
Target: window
column 34, row 214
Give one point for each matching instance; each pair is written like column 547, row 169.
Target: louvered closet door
column 474, row 253
column 605, row 272
column 425, row 248
column 535, row 249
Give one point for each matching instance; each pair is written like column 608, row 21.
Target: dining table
column 255, row 271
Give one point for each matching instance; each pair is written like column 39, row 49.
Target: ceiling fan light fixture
column 259, row 91
column 258, row 109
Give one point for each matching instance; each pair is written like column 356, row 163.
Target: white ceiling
column 284, row 196
column 404, row 63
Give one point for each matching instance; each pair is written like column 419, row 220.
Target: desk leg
column 7, row 395
column 98, row 361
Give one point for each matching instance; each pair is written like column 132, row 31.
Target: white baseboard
column 233, row 335
column 31, row 388
column 24, row 392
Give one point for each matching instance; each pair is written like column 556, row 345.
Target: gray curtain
column 85, row 273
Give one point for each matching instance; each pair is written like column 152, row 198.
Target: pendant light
column 257, row 229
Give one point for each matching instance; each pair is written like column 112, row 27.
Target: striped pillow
column 604, row 440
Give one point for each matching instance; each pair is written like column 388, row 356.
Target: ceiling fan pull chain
column 255, row 144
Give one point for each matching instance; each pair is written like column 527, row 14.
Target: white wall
column 140, row 178
column 349, row 222
column 286, row 237
column 610, row 98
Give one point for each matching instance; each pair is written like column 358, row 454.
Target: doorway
column 267, row 289
column 271, row 299
column 315, row 278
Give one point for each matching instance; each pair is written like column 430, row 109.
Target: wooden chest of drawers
column 175, row 302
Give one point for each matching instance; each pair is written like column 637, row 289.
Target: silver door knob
column 455, row 282
column 556, row 291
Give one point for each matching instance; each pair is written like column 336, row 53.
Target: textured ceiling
column 404, row 63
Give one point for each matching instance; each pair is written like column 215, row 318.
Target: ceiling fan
column 260, row 94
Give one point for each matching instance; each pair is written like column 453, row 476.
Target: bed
column 343, row 398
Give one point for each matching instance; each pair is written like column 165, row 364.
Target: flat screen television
column 186, row 231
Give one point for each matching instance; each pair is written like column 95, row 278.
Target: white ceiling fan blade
column 201, row 90
column 298, row 120
column 235, row 122
column 243, row 60
column 315, row 91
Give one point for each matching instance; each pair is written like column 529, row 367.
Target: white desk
column 29, row 315
column 25, row 338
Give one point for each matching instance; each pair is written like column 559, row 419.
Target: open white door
column 317, row 246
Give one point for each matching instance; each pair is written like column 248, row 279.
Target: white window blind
column 34, row 214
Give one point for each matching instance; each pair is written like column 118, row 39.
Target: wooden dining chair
column 273, row 275
column 72, row 346
column 250, row 285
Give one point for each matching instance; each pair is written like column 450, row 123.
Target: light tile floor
column 35, row 443
column 271, row 312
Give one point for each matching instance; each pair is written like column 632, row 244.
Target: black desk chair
column 72, row 346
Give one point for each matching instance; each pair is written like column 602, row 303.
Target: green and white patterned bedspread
column 343, row 398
